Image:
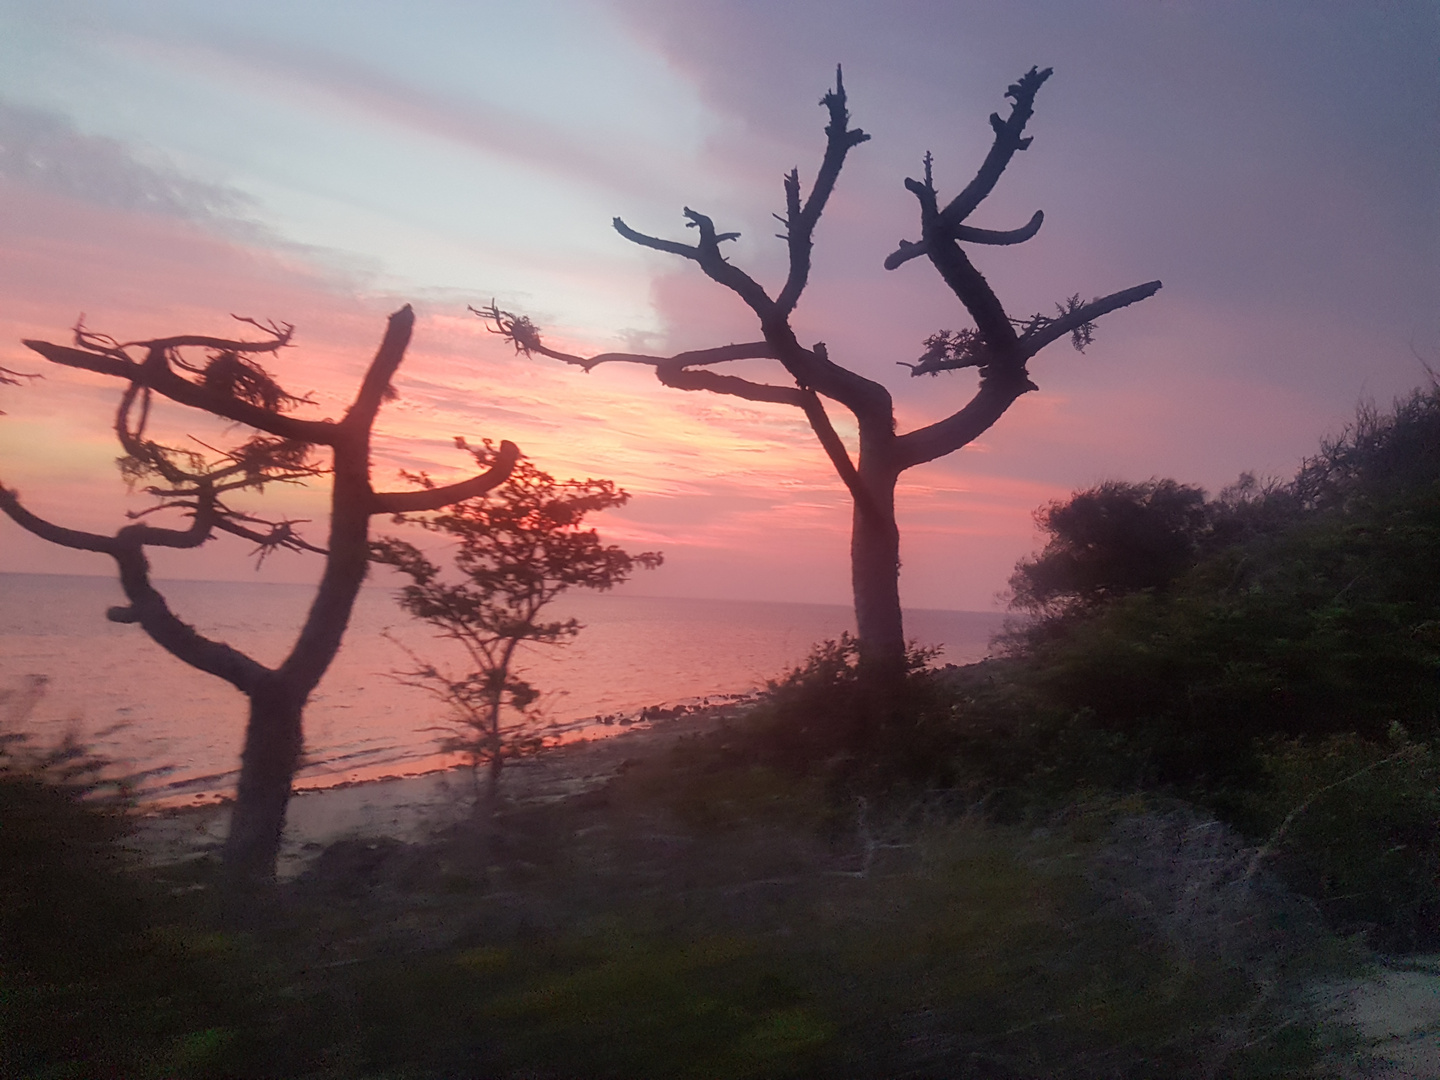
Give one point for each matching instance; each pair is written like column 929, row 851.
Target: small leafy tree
column 520, row 546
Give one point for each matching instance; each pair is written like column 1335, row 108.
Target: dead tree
column 198, row 484
column 998, row 346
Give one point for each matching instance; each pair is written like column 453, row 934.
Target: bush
column 64, row 896
column 1109, row 541
column 101, row 973
column 1356, row 827
column 822, row 719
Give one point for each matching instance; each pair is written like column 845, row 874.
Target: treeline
column 1272, row 654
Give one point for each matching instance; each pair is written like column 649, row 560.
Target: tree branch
column 401, row 502
column 942, row 229
column 801, row 222
column 55, row 534
column 907, row 250
column 707, row 254
column 1007, row 143
column 525, row 336
column 281, row 534
column 673, row 371
column 839, row 456
column 147, row 606
column 361, row 415
column 201, row 529
column 960, row 428
column 672, row 247
column 972, row 290
column 681, row 378
column 1054, row 329
column 166, row 382
column 149, row 609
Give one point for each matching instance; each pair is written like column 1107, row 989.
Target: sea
column 176, row 732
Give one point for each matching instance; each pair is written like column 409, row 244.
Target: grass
column 703, row 915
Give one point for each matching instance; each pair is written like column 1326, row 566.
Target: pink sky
column 1275, row 165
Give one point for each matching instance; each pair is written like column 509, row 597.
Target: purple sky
column 1277, row 165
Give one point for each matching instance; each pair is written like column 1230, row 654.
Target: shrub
column 64, row 900
column 821, row 718
column 1109, row 541
column 1355, row 825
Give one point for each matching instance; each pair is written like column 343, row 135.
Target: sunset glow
column 166, row 164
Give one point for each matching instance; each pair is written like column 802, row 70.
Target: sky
column 167, row 163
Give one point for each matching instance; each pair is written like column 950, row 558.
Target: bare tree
column 998, row 346
column 197, row 484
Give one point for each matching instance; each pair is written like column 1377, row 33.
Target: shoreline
column 197, row 793
column 411, row 808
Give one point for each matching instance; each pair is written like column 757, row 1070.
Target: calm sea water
column 153, row 714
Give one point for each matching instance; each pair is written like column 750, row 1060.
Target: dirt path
column 1395, row 1013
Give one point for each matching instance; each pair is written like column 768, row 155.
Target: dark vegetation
column 705, row 914
column 1272, row 655
column 1201, row 776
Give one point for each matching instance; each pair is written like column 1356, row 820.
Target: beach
column 411, row 809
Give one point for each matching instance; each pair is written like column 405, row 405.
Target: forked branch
column 147, row 606
column 908, row 250
column 999, row 346
column 679, row 372
column 707, row 254
column 228, row 384
column 800, row 221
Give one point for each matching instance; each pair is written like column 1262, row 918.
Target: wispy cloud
column 593, row 150
column 45, row 151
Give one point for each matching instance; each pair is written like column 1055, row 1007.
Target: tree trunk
column 274, row 739
column 492, row 785
column 875, row 577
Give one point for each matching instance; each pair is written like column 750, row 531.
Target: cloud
column 45, row 151
column 596, row 148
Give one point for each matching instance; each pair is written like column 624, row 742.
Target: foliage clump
column 822, row 719
column 517, row 548
column 1250, row 652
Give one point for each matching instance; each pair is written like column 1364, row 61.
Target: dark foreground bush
column 103, row 973
column 722, row 908
column 821, row 720
column 1250, row 654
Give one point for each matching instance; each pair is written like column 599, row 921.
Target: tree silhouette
column 519, row 546
column 229, row 382
column 998, row 346
column 1111, row 540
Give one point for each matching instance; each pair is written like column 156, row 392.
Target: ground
column 378, row 846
